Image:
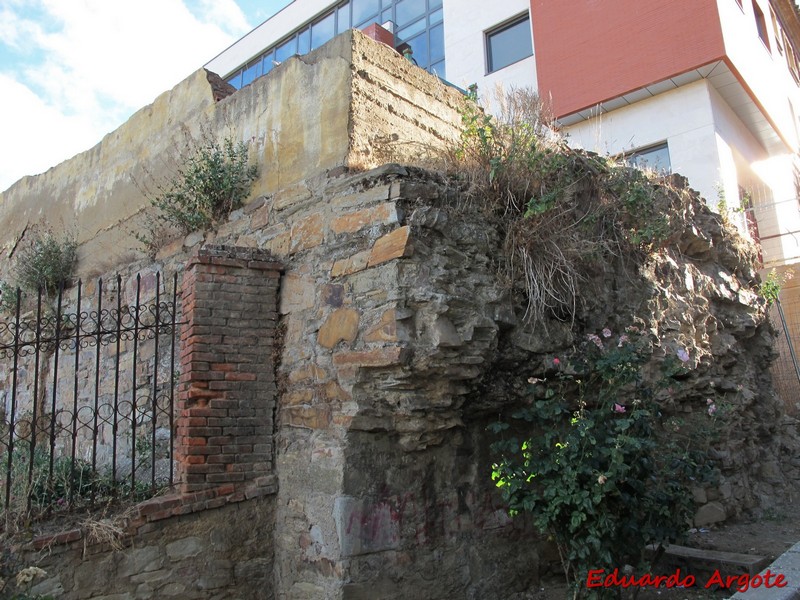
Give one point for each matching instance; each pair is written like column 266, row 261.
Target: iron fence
column 87, row 382
column 785, row 314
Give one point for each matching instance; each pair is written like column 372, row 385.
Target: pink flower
column 556, row 362
column 602, row 479
column 595, row 340
column 623, row 339
column 606, row 332
column 683, row 355
column 709, row 401
column 712, row 409
column 618, row 408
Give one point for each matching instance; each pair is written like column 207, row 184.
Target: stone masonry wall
column 220, row 553
column 400, row 343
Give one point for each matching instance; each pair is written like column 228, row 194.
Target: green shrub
column 45, row 261
column 773, row 283
column 589, row 462
column 213, row 181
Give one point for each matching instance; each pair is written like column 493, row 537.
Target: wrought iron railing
column 88, row 389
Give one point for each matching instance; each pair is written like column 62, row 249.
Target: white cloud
column 100, row 61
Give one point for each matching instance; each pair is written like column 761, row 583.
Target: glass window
column 436, row 16
column 761, row 24
column 386, row 16
column 434, row 4
column 407, row 11
column 509, row 43
column 251, row 72
column 267, row 65
column 304, row 41
column 411, row 30
column 363, row 10
column 654, row 157
column 322, row 30
column 437, row 43
column 236, row 80
column 342, row 18
column 419, row 46
column 286, row 50
column 438, row 69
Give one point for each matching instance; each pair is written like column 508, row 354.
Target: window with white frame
column 508, row 43
column 655, row 158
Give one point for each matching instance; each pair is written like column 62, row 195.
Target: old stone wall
column 213, row 553
column 400, row 343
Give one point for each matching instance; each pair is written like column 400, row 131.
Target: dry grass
column 565, row 213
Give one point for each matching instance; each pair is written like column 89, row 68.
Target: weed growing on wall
column 45, row 261
column 213, row 179
column 773, row 283
column 586, row 460
column 565, row 212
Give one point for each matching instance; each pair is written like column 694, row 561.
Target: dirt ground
column 768, row 534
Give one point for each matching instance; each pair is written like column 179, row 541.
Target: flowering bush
column 590, row 466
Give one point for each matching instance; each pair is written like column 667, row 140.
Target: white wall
column 763, row 69
column 682, row 117
column 465, row 24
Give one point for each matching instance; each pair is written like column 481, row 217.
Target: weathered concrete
column 351, row 103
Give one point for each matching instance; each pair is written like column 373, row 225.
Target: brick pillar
column 227, row 382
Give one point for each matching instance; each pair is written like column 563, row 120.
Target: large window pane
column 286, row 50
column 266, row 62
column 509, row 44
column 411, row 30
column 408, row 10
column 436, row 16
column 438, row 69
column 437, row 43
column 236, row 80
column 342, row 18
column 251, row 72
column 655, row 158
column 419, row 45
column 304, row 41
column 322, row 31
column 363, row 10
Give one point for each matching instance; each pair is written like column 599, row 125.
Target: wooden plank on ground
column 707, row 560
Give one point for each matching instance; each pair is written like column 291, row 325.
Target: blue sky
column 73, row 70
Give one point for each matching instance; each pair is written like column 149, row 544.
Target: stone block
column 380, row 357
column 445, row 334
column 308, row 417
column 383, row 214
column 352, row 264
column 392, row 245
column 713, row 512
column 185, row 548
column 385, row 330
column 291, row 196
column 308, row 233
column 297, row 293
column 260, row 217
column 341, row 325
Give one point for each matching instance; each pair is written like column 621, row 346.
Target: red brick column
column 227, row 388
